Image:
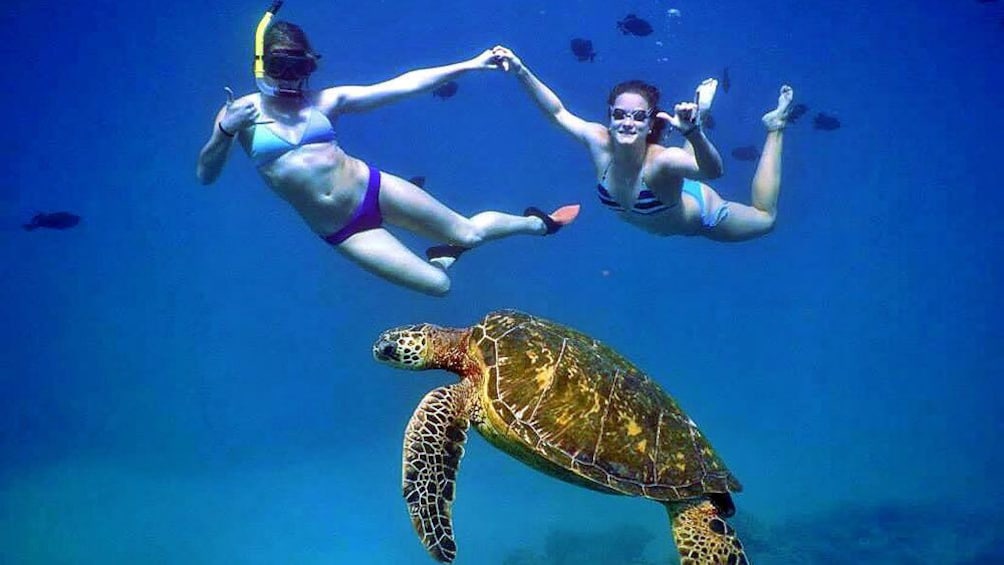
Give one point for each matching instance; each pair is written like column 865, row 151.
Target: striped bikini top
column 646, row 204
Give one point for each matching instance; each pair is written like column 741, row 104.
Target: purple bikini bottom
column 367, row 216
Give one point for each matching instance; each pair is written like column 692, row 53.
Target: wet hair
column 284, row 35
column 651, row 95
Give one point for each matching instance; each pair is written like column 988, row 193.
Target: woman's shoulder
column 660, row 160
column 253, row 97
column 598, row 132
column 596, row 138
column 657, row 153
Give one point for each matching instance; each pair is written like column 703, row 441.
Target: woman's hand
column 238, row 115
column 684, row 117
column 485, row 61
column 508, row 60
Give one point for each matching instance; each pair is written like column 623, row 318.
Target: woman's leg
column 767, row 179
column 382, row 254
column 406, row 205
column 747, row 222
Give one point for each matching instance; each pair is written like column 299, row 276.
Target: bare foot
column 566, row 214
column 777, row 118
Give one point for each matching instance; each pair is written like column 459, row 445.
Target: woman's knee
column 769, row 219
column 468, row 234
column 744, row 223
column 760, row 218
column 436, row 285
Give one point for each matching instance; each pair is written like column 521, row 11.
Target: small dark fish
column 417, row 181
column 633, row 25
column 708, row 121
column 583, row 49
column 54, row 221
column 725, row 82
column 746, row 153
column 446, row 90
column 825, row 122
column 796, row 112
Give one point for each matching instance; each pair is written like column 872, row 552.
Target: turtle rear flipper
column 433, row 446
column 702, row 536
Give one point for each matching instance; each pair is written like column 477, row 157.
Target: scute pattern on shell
column 582, row 406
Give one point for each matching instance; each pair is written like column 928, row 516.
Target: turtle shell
column 570, row 406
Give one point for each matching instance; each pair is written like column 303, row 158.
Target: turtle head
column 421, row 347
column 407, row 347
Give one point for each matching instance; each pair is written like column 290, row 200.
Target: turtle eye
column 388, row 350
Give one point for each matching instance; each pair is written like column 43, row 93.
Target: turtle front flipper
column 702, row 536
column 433, row 446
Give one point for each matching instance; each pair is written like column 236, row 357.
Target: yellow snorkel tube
column 259, row 39
column 265, row 85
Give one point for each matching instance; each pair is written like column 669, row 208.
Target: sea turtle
column 564, row 404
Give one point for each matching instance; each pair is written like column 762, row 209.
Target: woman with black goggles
column 658, row 188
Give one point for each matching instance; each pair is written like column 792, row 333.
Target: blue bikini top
column 267, row 146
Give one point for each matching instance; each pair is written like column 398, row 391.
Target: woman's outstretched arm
column 344, row 99
column 548, row 101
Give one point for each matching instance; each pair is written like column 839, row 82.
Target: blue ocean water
column 186, row 376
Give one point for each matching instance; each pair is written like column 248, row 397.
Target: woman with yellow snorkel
column 287, row 130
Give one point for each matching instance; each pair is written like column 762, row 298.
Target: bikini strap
column 603, row 177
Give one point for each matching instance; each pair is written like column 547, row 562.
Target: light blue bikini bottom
column 710, row 218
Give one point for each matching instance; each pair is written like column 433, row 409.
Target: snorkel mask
column 283, row 72
column 288, row 64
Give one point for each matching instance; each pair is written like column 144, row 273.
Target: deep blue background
column 186, row 376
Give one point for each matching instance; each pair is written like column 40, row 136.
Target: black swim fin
column 552, row 226
column 440, row 251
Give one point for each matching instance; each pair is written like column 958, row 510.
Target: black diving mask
column 290, row 64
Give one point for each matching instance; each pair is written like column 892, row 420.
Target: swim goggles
column 636, row 115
